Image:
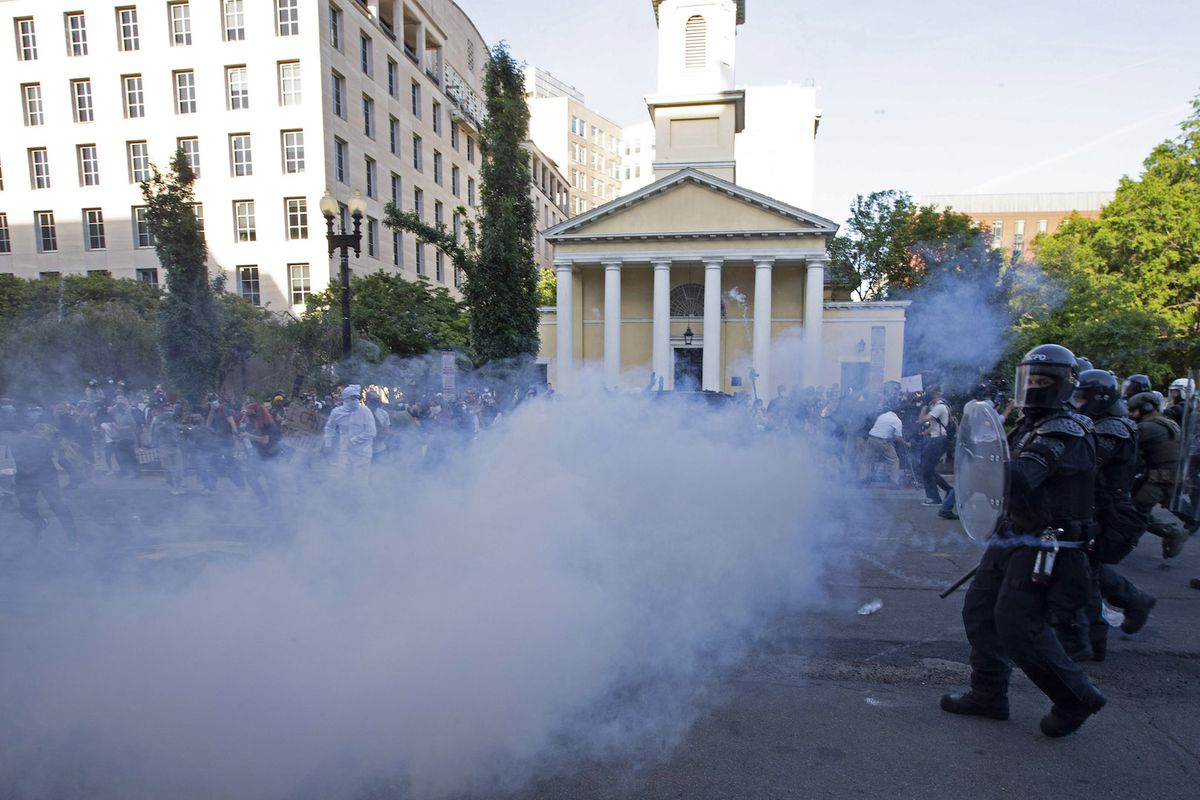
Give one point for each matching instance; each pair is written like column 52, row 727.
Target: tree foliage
column 496, row 260
column 55, row 334
column 888, row 243
column 1131, row 278
column 188, row 322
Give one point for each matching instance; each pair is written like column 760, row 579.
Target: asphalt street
column 834, row 704
column 831, row 703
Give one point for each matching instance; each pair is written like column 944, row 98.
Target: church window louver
column 695, row 37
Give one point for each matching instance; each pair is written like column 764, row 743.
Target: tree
column 888, row 242
column 1132, row 277
column 499, row 275
column 188, row 323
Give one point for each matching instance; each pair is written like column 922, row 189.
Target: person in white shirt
column 351, row 428
column 885, row 435
column 936, row 419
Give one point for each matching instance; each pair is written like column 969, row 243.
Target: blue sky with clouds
column 930, row 97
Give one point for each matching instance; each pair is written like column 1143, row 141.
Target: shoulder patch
column 1117, row 427
column 1063, row 425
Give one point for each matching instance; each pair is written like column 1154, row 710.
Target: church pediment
column 693, row 204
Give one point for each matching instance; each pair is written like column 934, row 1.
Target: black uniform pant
column 1006, row 617
column 1118, row 590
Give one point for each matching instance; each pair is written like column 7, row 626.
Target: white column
column 612, row 323
column 564, row 324
column 712, row 324
column 660, row 360
column 814, row 319
column 762, row 325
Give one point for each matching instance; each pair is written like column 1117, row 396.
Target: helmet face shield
column 1042, row 386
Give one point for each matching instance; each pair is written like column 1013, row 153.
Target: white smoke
column 570, row 587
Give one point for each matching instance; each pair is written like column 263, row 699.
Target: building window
column 368, row 111
column 439, row 266
column 127, row 30
column 239, row 148
column 93, row 226
column 420, row 257
column 453, row 135
column 419, row 203
column 293, row 152
column 417, row 159
column 393, row 135
column 395, row 190
column 5, row 239
column 287, row 17
column 198, row 213
column 416, row 100
column 339, row 160
column 243, row 218
column 296, row 213
column 180, row 16
column 456, row 226
column 289, row 83
column 470, row 148
column 39, row 168
column 248, row 285
column 139, row 161
column 135, row 99
column 997, row 232
column 235, row 20
column 694, row 42
column 372, row 237
column 437, row 117
column 338, row 95
column 438, row 214
column 237, row 84
column 1043, row 224
column 47, row 235
column 185, row 92
column 89, row 165
column 31, row 95
column 190, row 146
column 149, row 276
column 393, row 78
column 366, row 55
column 471, row 191
column 397, row 249
column 372, row 177
column 455, row 180
column 77, row 33
column 81, row 97
column 437, row 167
column 141, row 228
column 301, row 283
column 26, row 39
column 335, row 27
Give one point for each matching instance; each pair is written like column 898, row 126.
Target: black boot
column 1062, row 722
column 1137, row 614
column 976, row 705
column 1099, row 644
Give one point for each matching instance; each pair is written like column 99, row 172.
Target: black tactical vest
column 1064, row 442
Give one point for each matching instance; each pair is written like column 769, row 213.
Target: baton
column 950, row 589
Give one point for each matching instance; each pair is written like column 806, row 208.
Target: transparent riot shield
column 981, row 470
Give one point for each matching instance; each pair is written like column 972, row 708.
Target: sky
column 929, row 97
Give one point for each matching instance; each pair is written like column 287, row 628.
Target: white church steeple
column 696, row 109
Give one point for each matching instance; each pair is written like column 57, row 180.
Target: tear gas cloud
column 569, row 586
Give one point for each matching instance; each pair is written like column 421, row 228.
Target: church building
column 701, row 281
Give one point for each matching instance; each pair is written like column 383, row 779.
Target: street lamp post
column 344, row 241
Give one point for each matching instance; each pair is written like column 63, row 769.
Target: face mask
column 350, row 402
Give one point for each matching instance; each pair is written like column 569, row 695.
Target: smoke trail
column 569, row 587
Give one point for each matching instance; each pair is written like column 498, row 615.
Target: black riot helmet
column 1082, row 365
column 1045, row 378
column 1135, row 384
column 1096, row 392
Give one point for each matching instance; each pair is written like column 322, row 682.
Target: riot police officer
column 1158, row 458
column 1085, row 636
column 1036, row 551
column 1134, row 384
